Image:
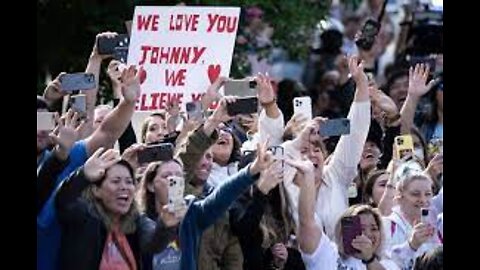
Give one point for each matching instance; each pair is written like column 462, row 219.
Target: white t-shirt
column 326, row 257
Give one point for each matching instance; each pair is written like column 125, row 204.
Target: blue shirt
column 203, row 213
column 48, row 228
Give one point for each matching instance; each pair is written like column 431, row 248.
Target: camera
column 368, row 34
column 400, row 141
column 252, row 84
column 298, row 102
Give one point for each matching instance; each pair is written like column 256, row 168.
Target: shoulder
column 325, row 255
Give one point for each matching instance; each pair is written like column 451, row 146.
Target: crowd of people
column 243, row 207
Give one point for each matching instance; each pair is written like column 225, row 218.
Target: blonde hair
column 405, row 182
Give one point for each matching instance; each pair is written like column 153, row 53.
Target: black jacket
column 245, row 216
column 84, row 233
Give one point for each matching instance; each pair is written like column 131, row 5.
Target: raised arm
column 64, row 136
column 114, row 72
column 119, row 118
column 92, row 171
column 270, row 123
column 417, row 87
column 197, row 142
column 217, row 202
column 349, row 149
column 309, row 232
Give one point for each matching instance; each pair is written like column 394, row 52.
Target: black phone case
column 367, row 37
column 121, row 54
column 107, row 46
column 77, row 81
column 157, row 152
column 243, row 106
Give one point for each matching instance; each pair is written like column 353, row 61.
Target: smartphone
column 425, row 213
column 156, row 152
column 278, row 154
column 77, row 81
column 404, row 145
column 121, row 54
column 78, row 103
column 303, row 105
column 240, row 88
column 351, row 228
column 334, row 127
column 46, row 121
column 176, row 188
column 368, row 34
column 107, row 45
column 194, row 110
column 243, row 105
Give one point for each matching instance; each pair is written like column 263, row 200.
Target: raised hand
column 212, row 90
column 305, row 171
column 310, row 131
column 130, row 84
column 421, row 233
column 296, row 124
column 263, row 160
column 131, row 154
column 271, row 177
column 364, row 245
column 280, row 255
column 66, row 133
column 221, row 114
column 95, row 47
column 96, row 166
column 355, row 65
column 53, row 91
column 417, row 80
column 265, row 93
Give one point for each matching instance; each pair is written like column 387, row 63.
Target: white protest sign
column 180, row 51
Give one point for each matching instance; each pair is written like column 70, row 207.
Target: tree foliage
column 66, row 29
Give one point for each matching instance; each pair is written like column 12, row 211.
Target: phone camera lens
column 252, row 84
column 400, row 141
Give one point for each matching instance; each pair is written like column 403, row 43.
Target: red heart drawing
column 142, row 75
column 213, row 72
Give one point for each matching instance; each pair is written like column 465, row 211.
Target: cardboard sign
column 180, row 51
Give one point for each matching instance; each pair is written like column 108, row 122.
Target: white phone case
column 303, row 105
column 176, row 188
column 45, row 121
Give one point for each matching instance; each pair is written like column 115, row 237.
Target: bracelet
column 369, row 261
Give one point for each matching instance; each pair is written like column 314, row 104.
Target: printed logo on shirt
column 169, row 259
column 342, row 266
